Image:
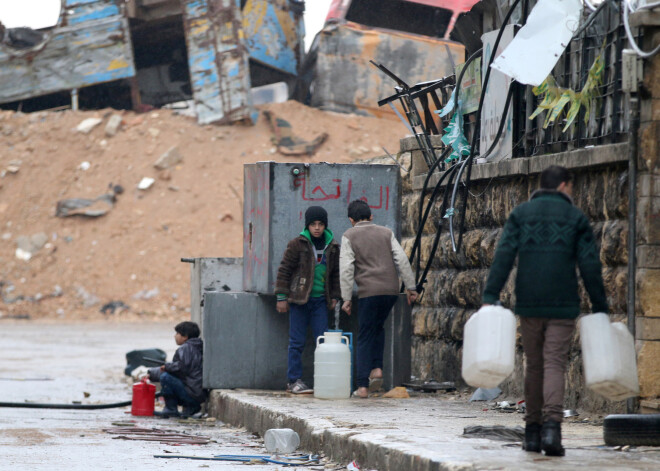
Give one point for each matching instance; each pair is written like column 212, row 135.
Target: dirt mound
column 131, row 255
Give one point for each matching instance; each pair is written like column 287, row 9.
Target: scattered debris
column 113, row 124
column 88, row 299
column 505, row 406
column 431, row 386
column 281, row 440
column 353, row 466
column 84, row 166
column 21, row 317
column 112, row 306
column 23, row 255
column 145, row 183
column 483, row 394
column 14, row 166
column 287, row 143
column 85, row 207
column 28, row 246
column 495, row 432
column 88, row 124
column 169, row 158
column 6, row 288
column 303, row 460
column 147, row 293
column 399, row 392
column 157, row 435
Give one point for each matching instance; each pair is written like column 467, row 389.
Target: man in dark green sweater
column 550, row 237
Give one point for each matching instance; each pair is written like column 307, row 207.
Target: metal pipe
column 631, row 404
column 74, row 99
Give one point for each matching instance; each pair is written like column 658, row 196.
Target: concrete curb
column 341, row 444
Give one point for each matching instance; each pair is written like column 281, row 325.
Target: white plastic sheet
column 535, row 50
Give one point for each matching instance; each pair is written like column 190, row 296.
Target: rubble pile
column 98, row 207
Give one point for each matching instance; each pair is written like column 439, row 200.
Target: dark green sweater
column 550, row 236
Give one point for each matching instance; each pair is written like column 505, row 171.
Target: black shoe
column 532, row 441
column 551, row 438
column 191, row 411
column 167, row 413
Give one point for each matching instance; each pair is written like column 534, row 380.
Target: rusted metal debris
column 345, row 81
column 157, row 435
column 287, row 142
column 89, row 45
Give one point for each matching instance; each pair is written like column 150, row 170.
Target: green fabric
column 318, row 288
column 550, row 237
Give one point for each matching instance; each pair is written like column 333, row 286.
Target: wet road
column 63, row 363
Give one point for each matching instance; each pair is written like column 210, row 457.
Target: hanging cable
column 631, row 39
column 476, row 133
column 590, row 19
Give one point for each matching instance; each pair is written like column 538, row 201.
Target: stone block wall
column 456, row 279
column 647, row 307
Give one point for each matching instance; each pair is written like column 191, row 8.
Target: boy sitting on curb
column 181, row 379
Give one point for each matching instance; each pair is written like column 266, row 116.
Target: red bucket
column 144, row 396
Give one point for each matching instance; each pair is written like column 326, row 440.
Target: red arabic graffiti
column 319, row 194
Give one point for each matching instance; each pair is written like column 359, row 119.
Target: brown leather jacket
column 295, row 276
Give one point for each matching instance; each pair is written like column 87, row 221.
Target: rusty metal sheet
column 273, row 34
column 346, row 81
column 89, row 45
column 217, row 59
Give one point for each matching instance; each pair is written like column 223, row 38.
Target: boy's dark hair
column 359, row 210
column 187, row 329
column 553, row 176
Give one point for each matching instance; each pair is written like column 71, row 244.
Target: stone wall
column 456, row 279
column 648, row 233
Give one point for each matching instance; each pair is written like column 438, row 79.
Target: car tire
column 632, row 429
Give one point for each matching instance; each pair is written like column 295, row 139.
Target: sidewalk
column 422, row 433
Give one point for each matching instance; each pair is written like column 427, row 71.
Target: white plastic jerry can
column 608, row 356
column 489, row 346
column 332, row 367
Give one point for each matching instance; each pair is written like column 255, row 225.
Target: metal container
column 277, row 195
column 246, row 341
column 209, row 274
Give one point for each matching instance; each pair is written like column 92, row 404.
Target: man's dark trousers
column 546, row 343
column 372, row 313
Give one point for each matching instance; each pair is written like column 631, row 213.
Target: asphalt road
column 66, row 363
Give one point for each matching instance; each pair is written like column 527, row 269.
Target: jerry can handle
column 345, row 337
column 319, row 338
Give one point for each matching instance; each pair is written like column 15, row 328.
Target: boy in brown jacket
column 307, row 285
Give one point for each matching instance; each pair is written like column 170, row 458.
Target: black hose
column 436, row 240
column 423, row 218
column 485, row 154
column 30, row 405
column 34, row 405
column 475, row 135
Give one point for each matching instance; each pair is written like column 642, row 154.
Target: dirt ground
column 132, row 254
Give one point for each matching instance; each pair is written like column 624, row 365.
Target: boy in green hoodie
column 308, row 286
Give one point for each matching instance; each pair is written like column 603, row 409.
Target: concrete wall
column 456, row 280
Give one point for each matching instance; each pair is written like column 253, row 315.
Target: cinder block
column 647, row 328
column 648, row 292
column 648, row 357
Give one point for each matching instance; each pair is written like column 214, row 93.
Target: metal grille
column 607, row 122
